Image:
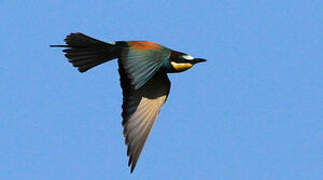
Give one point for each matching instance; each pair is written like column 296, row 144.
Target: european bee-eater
column 143, row 68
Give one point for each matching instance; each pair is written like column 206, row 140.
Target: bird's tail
column 85, row 52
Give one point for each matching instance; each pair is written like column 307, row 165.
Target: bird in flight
column 143, row 68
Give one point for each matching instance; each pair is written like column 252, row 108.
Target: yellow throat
column 181, row 66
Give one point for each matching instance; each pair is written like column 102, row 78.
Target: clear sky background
column 254, row 111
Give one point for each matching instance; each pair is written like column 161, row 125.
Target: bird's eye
column 187, row 57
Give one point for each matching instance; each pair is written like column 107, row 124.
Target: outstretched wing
column 140, row 110
column 142, row 60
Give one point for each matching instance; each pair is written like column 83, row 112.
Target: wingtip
column 131, row 164
column 132, row 168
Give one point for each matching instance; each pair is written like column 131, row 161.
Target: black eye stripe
column 180, row 60
column 183, row 58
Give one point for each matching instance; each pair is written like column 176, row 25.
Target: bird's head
column 182, row 62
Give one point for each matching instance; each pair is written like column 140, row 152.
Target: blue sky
column 253, row 111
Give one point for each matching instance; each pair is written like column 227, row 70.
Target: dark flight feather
column 85, row 52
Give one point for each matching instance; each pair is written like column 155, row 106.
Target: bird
column 143, row 69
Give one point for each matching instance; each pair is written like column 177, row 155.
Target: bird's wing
column 140, row 110
column 142, row 60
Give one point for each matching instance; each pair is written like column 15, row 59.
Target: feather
column 141, row 64
column 140, row 110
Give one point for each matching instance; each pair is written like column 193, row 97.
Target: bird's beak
column 198, row 60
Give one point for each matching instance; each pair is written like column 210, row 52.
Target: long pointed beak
column 198, row 60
